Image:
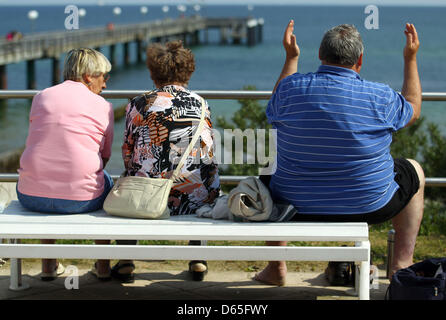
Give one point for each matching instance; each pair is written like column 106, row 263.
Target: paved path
column 177, row 285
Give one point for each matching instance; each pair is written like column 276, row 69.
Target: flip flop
column 198, row 269
column 127, row 277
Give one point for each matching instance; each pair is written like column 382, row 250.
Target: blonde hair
column 84, row 61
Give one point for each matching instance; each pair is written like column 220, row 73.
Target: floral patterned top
column 159, row 126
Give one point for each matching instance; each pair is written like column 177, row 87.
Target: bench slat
column 18, row 223
column 293, row 232
column 159, row 252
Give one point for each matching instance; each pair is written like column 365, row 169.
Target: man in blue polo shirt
column 334, row 132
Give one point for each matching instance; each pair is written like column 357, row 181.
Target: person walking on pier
column 334, row 131
column 68, row 145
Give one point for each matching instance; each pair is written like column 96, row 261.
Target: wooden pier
column 52, row 45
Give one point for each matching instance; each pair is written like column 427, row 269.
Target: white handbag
column 143, row 197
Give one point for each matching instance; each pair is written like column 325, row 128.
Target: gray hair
column 341, row 45
column 84, row 61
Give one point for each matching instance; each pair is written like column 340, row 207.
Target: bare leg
column 406, row 225
column 275, row 272
column 103, row 266
column 48, row 265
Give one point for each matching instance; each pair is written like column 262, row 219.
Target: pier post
column 3, row 78
column 113, row 55
column 252, row 32
column 125, row 47
column 237, row 34
column 139, row 50
column 196, row 38
column 260, row 23
column 223, row 35
column 56, row 70
column 206, row 36
column 31, row 74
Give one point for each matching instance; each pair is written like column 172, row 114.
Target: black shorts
column 409, row 183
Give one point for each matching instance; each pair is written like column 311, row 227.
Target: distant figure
column 69, row 143
column 14, row 35
column 110, row 26
column 10, row 36
column 334, row 132
column 157, row 123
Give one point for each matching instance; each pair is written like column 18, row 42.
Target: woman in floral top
column 159, row 127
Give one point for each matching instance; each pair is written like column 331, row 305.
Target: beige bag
column 147, row 198
column 251, row 200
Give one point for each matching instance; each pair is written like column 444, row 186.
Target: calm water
column 232, row 67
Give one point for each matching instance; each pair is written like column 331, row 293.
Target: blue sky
column 242, row 2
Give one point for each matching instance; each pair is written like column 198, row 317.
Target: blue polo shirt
column 334, row 132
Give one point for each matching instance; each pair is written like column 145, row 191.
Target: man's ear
column 357, row 66
column 359, row 63
column 320, row 54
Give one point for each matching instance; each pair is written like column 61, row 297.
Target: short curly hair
column 170, row 62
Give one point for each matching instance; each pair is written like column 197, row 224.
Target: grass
column 426, row 247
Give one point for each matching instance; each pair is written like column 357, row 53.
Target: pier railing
column 207, row 94
column 226, row 180
column 53, row 44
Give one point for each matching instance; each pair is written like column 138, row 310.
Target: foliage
column 251, row 115
column 409, row 142
column 434, row 160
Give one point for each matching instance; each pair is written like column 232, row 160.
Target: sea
column 232, row 67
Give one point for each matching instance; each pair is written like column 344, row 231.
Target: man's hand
column 411, row 85
column 292, row 53
column 412, row 42
column 289, row 42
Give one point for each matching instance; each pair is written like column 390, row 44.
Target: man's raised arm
column 292, row 53
column 411, row 86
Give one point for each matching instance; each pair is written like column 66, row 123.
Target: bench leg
column 362, row 280
column 15, row 283
column 2, row 261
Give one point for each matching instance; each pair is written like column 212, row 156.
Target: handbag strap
column 191, row 144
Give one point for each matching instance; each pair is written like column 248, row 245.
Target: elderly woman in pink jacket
column 69, row 143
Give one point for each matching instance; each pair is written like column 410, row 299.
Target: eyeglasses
column 106, row 76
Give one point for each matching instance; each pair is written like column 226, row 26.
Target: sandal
column 50, row 276
column 198, row 269
column 100, row 277
column 340, row 273
column 124, row 277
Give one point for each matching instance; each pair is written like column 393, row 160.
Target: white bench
column 18, row 223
